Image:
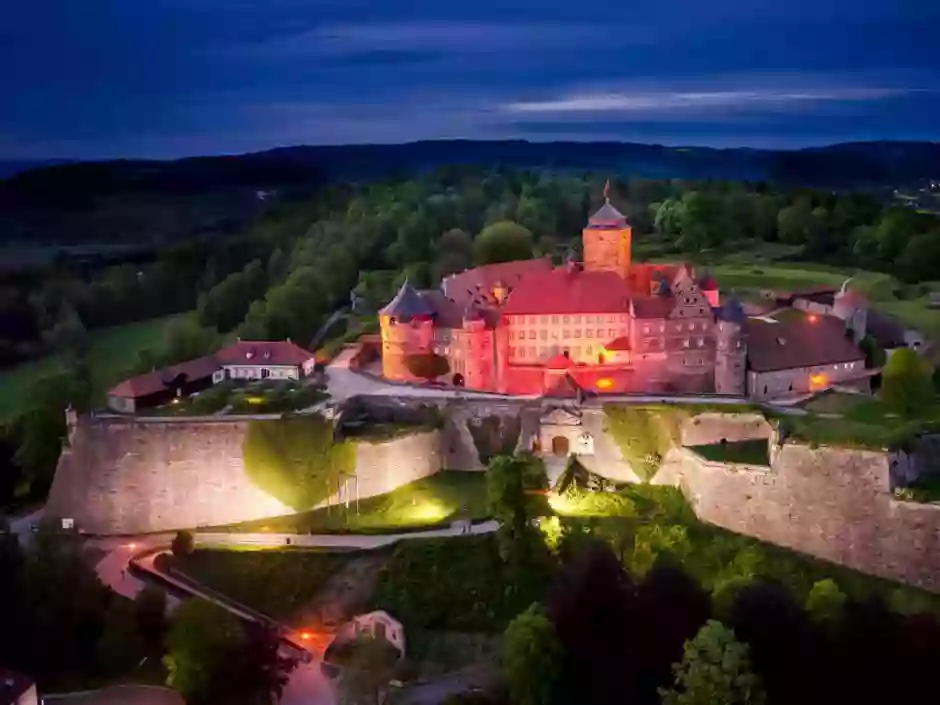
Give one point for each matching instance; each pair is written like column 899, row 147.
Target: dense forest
column 285, row 273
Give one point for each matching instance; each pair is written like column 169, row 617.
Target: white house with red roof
column 243, row 360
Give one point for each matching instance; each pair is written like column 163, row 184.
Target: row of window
column 600, row 333
column 546, row 351
column 677, row 327
column 588, row 318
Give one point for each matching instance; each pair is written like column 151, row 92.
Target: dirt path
column 344, row 594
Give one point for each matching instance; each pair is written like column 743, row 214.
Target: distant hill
column 159, row 200
column 9, row 167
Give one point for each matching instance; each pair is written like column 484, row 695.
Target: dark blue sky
column 165, row 78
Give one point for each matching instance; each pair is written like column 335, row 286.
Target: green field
column 438, row 499
column 112, row 354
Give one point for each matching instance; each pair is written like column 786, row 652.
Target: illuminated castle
column 605, row 325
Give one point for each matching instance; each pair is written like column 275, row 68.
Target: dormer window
column 267, row 354
column 249, row 355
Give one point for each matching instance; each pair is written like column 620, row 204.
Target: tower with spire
column 606, row 240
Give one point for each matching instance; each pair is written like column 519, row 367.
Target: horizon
column 53, row 161
column 176, row 78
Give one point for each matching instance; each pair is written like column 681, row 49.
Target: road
column 307, row 685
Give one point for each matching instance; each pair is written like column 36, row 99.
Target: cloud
column 668, row 102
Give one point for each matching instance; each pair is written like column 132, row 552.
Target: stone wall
column 709, row 428
column 832, row 503
column 133, row 476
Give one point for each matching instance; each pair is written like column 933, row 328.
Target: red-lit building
column 607, row 324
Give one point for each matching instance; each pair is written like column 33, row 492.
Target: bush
column 296, row 460
column 644, row 435
column 495, row 435
column 183, row 544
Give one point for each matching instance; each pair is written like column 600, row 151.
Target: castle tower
column 606, row 240
column 849, row 306
column 407, row 328
column 730, row 350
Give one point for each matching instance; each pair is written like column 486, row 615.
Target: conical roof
column 407, row 303
column 732, row 312
column 607, row 217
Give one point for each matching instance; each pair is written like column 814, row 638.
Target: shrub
column 427, row 366
column 183, row 544
column 495, row 435
column 644, row 435
column 296, row 460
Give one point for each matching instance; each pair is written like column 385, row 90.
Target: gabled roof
column 653, row 307
column 565, row 387
column 607, row 217
column 263, row 352
column 407, row 304
column 161, row 380
column 797, row 343
column 621, row 343
column 447, row 313
column 559, row 362
column 563, row 291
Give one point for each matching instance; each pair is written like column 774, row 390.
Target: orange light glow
column 604, row 383
column 818, row 380
column 132, row 546
column 812, row 318
column 305, row 636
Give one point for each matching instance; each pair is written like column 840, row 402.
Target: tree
column 120, row 646
column 427, row 366
column 150, row 615
column 503, row 241
column 593, row 608
column 794, row 223
column 826, row 603
column 183, row 543
column 874, row 354
column 509, row 482
column 367, row 670
column 531, row 658
column 258, row 672
column 715, row 668
column 906, row 387
column 201, row 643
column 920, row 258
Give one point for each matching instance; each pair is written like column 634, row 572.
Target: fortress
column 612, row 325
column 126, row 476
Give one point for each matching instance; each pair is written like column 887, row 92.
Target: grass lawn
column 750, row 452
column 278, row 583
column 441, row 498
column 112, row 353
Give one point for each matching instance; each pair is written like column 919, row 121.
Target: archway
column 560, row 445
column 457, row 380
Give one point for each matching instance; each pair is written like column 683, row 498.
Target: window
column 543, row 334
column 533, row 320
column 576, row 319
column 542, row 350
column 566, row 334
column 531, row 334
column 611, row 319
column 646, row 329
column 577, row 332
column 565, row 319
column 623, row 318
column 685, row 343
column 554, row 334
column 611, row 334
column 700, row 342
column 531, row 351
column 543, row 320
column 555, row 319
column 589, row 319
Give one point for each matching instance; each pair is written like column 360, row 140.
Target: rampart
column 128, row 476
column 832, row 503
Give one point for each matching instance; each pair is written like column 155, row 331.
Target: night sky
column 167, row 78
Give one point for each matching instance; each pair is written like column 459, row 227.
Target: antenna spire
column 607, row 191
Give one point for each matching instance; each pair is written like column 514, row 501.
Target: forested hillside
column 283, row 275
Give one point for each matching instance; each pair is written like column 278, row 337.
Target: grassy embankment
column 278, row 583
column 432, row 501
column 112, row 353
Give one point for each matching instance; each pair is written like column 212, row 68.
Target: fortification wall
column 708, row 428
column 128, row 477
column 832, row 503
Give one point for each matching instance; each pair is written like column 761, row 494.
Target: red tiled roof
column 263, row 352
column 621, row 343
column 707, row 284
column 158, row 380
column 642, row 273
column 565, row 386
column 476, row 285
column 653, row 306
column 564, row 291
column 800, row 342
